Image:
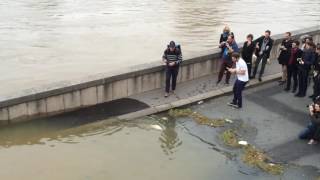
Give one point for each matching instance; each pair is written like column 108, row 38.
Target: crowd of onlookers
column 299, row 60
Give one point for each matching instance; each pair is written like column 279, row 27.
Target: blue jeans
column 237, row 92
column 309, row 132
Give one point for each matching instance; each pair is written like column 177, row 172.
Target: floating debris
column 229, row 137
column 228, row 120
column 200, row 102
column 165, row 118
column 199, row 118
column 157, row 127
column 257, row 158
column 243, row 143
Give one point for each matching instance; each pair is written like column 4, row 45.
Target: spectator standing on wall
column 305, row 63
column 284, row 56
column 263, row 48
column 228, row 47
column 172, row 57
column 241, row 72
column 292, row 67
column 247, row 52
column 224, row 36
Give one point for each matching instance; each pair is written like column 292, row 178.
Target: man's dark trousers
column 292, row 72
column 171, row 74
column 303, row 80
column 237, row 92
column 264, row 59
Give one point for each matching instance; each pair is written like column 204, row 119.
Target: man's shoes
column 166, row 95
column 251, row 77
column 299, row 95
column 226, row 83
column 218, row 81
column 311, row 96
column 233, row 105
column 294, row 90
column 287, row 89
column 260, row 79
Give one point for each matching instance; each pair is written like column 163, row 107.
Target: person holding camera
column 241, row 72
column 224, row 36
column 312, row 132
column 172, row 57
column 304, row 66
column 284, row 56
column 228, row 47
column 263, row 48
column 292, row 67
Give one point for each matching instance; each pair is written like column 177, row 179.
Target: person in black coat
column 292, row 66
column 263, row 48
column 247, row 52
column 284, row 56
column 304, row 66
column 316, row 73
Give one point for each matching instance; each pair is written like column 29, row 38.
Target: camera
column 299, row 60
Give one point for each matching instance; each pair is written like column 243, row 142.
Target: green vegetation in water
column 199, row 118
column 229, row 137
column 257, row 158
column 180, row 112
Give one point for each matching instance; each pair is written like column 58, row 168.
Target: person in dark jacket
column 312, row 132
column 224, row 36
column 316, row 73
column 284, row 56
column 172, row 57
column 228, row 47
column 292, row 66
column 247, row 52
column 304, row 65
column 263, row 48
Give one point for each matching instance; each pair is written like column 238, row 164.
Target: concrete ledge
column 194, row 99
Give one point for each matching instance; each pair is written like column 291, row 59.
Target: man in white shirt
column 241, row 72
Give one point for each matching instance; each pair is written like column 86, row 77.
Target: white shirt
column 242, row 65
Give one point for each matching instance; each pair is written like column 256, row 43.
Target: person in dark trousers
column 224, row 36
column 172, row 57
column 312, row 132
column 247, row 52
column 304, row 65
column 228, row 47
column 263, row 48
column 316, row 73
column 292, row 67
column 241, row 72
column 284, row 56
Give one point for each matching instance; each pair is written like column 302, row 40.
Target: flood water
column 91, row 145
column 47, row 41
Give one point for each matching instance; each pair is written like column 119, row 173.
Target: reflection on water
column 169, row 137
column 44, row 41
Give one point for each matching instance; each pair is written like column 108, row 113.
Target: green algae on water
column 229, row 137
column 199, row 118
column 180, row 112
column 257, row 158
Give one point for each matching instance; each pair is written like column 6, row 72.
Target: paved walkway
column 193, row 91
